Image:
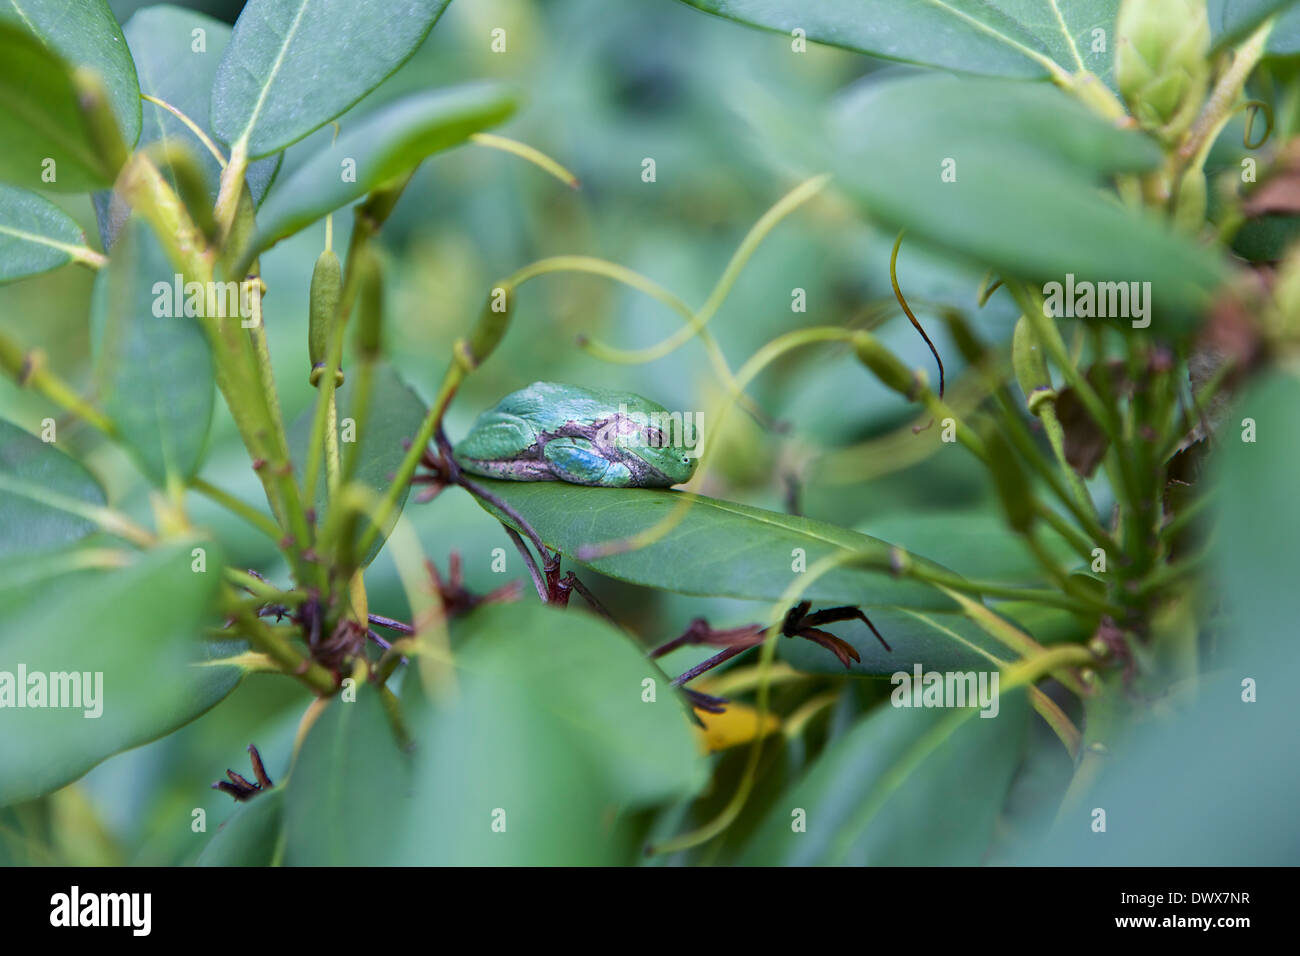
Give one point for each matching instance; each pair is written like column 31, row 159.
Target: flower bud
column 886, row 365
column 1160, row 62
column 326, row 285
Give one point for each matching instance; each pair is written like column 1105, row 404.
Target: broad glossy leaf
column 906, row 786
column 935, row 640
column 1013, row 38
column 549, row 727
column 85, row 34
column 32, row 474
column 294, row 65
column 35, row 235
column 382, row 146
column 396, row 414
column 348, row 783
column 40, row 120
column 1029, row 163
column 250, row 836
column 157, row 369
column 178, row 65
column 976, row 544
column 719, row 548
column 137, row 627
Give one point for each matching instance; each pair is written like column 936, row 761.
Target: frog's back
column 553, row 402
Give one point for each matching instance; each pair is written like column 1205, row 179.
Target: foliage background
column 606, row 88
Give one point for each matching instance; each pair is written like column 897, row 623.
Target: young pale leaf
column 46, row 142
column 382, row 146
column 1018, row 40
column 907, row 785
column 153, row 359
column 35, row 476
column 85, row 34
column 294, row 65
column 128, row 638
column 558, row 728
column 35, row 235
column 719, row 548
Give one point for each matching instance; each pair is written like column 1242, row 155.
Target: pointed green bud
column 326, row 285
column 886, row 366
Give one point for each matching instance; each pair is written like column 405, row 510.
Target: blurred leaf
column 549, row 727
column 1285, row 38
column 40, row 120
column 87, row 35
column 1028, row 161
column 250, row 836
column 381, row 147
column 396, row 413
column 27, row 523
column 915, row 786
column 1008, row 39
column 348, row 781
column 1266, row 238
column 157, row 370
column 719, row 548
column 35, row 234
column 1231, row 20
column 136, row 628
column 294, row 65
column 936, row 641
column 1202, row 763
column 162, row 40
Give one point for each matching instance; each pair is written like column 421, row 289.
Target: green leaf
column 179, row 67
column 906, row 786
column 1285, row 38
column 396, row 413
column 936, row 641
column 85, row 36
column 46, row 142
column 136, row 629
column 157, row 369
column 294, row 65
column 1231, row 20
column 720, row 548
column 1028, row 162
column 35, row 235
column 250, row 836
column 975, row 544
column 550, row 734
column 1016, row 38
column 381, row 147
column 347, row 785
column 34, row 477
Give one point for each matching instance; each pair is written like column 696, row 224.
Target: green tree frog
column 587, row 436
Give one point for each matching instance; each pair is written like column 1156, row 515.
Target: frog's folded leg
column 498, row 447
column 576, row 460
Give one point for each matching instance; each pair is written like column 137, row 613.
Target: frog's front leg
column 577, row 460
